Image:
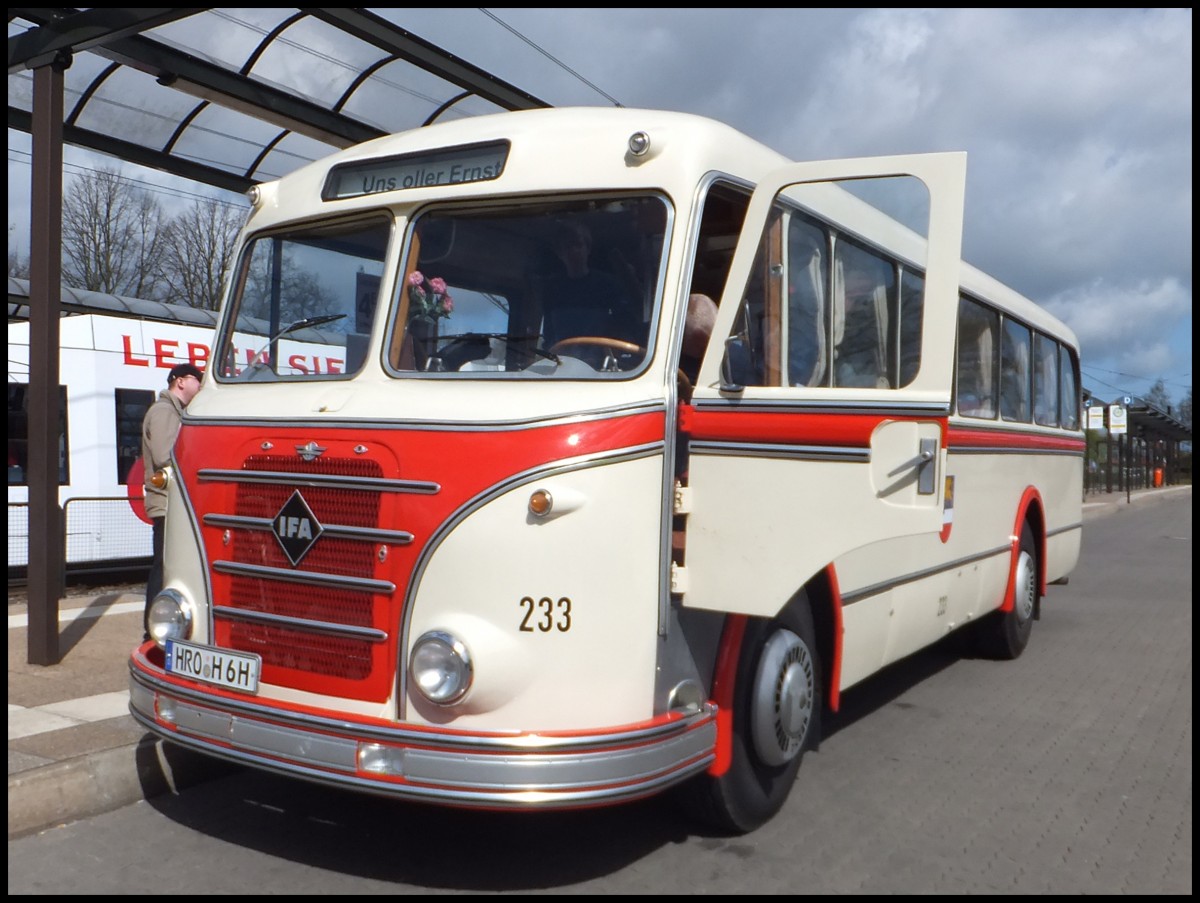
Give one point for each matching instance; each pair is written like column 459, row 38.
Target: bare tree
column 18, row 266
column 1185, row 409
column 198, row 250
column 112, row 234
column 1158, row 396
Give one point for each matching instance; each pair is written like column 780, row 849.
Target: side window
column 753, row 349
column 1014, row 372
column 912, row 314
column 1045, row 381
column 807, row 304
column 863, row 293
column 131, row 406
column 978, row 338
column 720, row 225
column 1069, row 388
column 18, row 435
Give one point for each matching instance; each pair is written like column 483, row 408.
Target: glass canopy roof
column 231, row 97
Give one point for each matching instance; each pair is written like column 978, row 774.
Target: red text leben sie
column 167, row 353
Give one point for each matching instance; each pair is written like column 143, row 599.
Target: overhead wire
column 550, row 56
column 80, row 168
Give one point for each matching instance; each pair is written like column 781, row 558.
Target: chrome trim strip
column 776, row 450
column 327, row 628
column 284, row 478
column 472, row 426
column 859, row 594
column 815, row 406
column 1078, row 525
column 1022, row 427
column 1010, row 450
column 371, row 534
column 144, row 673
column 308, row 578
column 510, row 772
column 543, row 772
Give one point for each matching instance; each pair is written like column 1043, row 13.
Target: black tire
column 1005, row 634
column 776, row 719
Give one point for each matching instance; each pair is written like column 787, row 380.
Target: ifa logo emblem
column 296, row 528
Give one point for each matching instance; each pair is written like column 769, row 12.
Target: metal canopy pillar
column 44, row 403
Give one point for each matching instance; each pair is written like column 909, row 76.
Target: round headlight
column 170, row 618
column 440, row 667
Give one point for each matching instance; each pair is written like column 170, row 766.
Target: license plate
column 234, row 670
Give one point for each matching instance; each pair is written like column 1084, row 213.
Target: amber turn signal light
column 540, row 503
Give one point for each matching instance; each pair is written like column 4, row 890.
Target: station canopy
column 232, row 97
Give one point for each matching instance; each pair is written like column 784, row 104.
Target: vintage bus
column 646, row 444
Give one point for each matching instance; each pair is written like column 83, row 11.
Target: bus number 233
column 545, row 614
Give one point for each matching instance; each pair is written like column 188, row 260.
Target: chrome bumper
column 521, row 771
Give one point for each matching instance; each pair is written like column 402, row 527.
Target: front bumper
column 494, row 771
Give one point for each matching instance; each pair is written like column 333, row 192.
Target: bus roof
column 555, row 149
column 577, row 148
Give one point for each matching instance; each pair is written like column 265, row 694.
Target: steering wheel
column 596, row 341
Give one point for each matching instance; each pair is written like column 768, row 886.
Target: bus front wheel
column 776, row 718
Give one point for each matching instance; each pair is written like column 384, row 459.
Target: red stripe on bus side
column 799, row 428
column 1014, row 439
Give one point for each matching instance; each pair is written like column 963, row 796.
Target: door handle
column 925, row 463
column 927, row 469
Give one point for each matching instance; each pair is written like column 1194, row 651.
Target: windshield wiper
column 256, row 363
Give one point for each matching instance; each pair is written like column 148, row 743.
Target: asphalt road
column 1068, row 771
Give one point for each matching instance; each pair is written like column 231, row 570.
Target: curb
column 1103, row 504
column 100, row 782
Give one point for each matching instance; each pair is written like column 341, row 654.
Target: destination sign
column 450, row 166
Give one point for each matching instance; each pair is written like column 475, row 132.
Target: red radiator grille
column 306, row 652
column 310, row 653
column 331, row 555
column 314, row 603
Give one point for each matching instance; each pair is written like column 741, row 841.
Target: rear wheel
column 776, row 718
column 1005, row 634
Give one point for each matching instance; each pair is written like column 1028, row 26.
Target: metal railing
column 98, row 533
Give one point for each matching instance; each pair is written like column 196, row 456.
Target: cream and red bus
column 523, row 549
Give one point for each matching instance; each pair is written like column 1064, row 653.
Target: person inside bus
column 160, row 427
column 583, row 301
column 697, row 328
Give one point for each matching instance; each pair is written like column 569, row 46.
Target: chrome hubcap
column 1025, row 587
column 783, row 698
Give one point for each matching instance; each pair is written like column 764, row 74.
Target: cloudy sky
column 1077, row 125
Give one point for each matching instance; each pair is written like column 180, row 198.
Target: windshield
column 562, row 290
column 305, row 303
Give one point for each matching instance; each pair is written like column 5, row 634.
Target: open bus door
column 788, row 472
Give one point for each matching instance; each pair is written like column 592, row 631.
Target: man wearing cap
column 160, row 426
